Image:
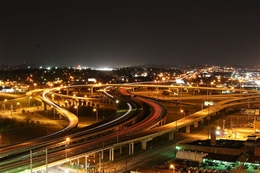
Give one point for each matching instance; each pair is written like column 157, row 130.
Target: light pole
column 19, row 105
column 181, row 97
column 5, row 104
column 66, row 145
column 34, row 86
column 182, row 111
column 76, row 107
column 172, row 167
column 46, row 159
column 208, row 119
column 66, row 104
column 11, row 107
column 211, row 83
column 31, row 167
column 117, row 101
column 30, row 101
column 96, row 110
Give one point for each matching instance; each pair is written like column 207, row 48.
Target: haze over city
column 128, row 33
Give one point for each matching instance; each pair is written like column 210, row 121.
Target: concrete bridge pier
column 102, row 154
column 44, row 106
column 53, row 112
column 91, row 91
column 144, row 142
column 196, row 124
column 86, row 163
column 188, row 129
column 131, row 148
column 171, row 135
column 111, row 154
column 193, row 92
column 120, row 149
column 78, row 161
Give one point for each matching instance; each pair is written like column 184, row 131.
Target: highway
column 10, row 154
column 108, row 137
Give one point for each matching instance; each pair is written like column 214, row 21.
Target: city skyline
column 128, row 33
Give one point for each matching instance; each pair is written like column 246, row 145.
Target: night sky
column 126, row 33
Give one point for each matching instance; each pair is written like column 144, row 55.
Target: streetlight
column 208, row 119
column 11, row 107
column 66, row 104
column 4, row 104
column 95, row 110
column 117, row 101
column 29, row 101
column 76, row 107
column 211, row 83
column 180, row 96
column 172, row 167
column 18, row 104
column 66, row 144
column 34, row 85
column 182, row 111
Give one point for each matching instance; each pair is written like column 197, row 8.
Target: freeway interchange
column 135, row 120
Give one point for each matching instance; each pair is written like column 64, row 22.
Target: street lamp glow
column 95, row 110
column 34, row 85
column 76, row 107
column 67, row 139
column 172, row 167
column 66, row 144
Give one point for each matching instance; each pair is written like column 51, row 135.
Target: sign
column 207, row 103
column 250, row 111
column 92, row 80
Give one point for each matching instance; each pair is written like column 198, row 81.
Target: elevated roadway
column 134, row 134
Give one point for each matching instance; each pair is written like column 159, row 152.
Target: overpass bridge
column 129, row 136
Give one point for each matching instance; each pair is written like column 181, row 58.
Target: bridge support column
column 91, row 91
column 171, row 136
column 131, row 148
column 86, row 163
column 120, row 149
column 53, row 113
column 102, row 154
column 67, row 91
column 111, row 154
column 144, row 142
column 44, row 106
column 196, row 124
column 188, row 129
